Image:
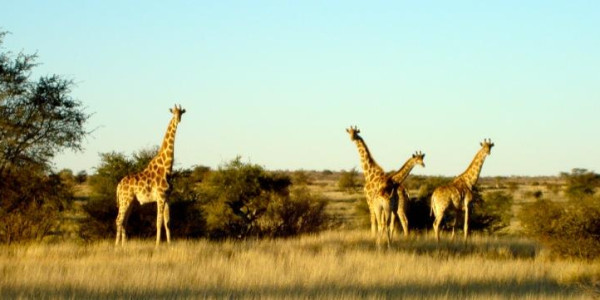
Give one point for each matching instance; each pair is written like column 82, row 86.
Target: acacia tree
column 38, row 119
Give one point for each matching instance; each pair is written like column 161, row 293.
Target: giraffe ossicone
column 150, row 185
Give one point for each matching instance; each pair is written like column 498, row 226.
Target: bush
column 301, row 212
column 492, row 213
column 31, row 205
column 243, row 200
column 569, row 228
column 580, row 183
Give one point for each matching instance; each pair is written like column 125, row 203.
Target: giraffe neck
column 165, row 156
column 401, row 175
column 471, row 174
column 370, row 167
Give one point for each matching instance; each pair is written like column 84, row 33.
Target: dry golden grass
column 336, row 264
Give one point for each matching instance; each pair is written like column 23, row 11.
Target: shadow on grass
column 528, row 289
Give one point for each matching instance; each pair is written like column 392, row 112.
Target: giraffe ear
column 170, row 110
column 183, row 111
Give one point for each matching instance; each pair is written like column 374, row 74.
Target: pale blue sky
column 277, row 82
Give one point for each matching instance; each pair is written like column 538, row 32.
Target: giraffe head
column 486, row 146
column 177, row 111
column 353, row 132
column 418, row 158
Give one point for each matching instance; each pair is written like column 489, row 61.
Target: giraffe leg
column 403, row 221
column 436, row 226
column 439, row 209
column 378, row 216
column 466, row 226
column 160, row 206
column 167, row 218
column 374, row 221
column 121, row 222
column 401, row 212
column 437, row 220
column 390, row 226
column 454, row 226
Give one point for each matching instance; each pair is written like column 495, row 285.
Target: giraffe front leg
column 166, row 220
column 122, row 216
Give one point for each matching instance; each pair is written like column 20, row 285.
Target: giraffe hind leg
column 438, row 209
column 160, row 206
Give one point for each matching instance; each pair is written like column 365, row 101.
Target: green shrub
column 492, row 213
column 580, row 183
column 31, row 205
column 242, row 200
column 301, row 212
column 569, row 228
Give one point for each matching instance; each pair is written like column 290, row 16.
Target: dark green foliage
column 349, row 181
column 569, row 228
column 31, row 204
column 492, row 213
column 300, row 212
column 38, row 119
column 243, row 200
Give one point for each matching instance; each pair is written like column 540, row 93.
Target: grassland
column 341, row 263
column 334, row 264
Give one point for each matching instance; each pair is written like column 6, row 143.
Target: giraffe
column 380, row 191
column 398, row 178
column 459, row 193
column 151, row 184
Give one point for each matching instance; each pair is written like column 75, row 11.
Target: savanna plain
column 341, row 262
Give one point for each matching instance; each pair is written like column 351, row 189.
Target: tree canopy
column 38, row 118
